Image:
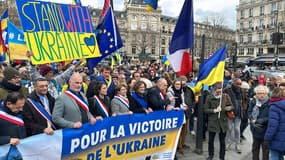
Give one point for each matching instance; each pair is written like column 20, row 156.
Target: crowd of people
column 43, row 98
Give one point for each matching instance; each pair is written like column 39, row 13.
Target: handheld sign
column 57, row 32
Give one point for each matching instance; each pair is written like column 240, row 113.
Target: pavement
column 189, row 154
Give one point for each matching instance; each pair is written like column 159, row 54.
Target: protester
column 138, row 102
column 244, row 105
column 12, row 127
column 120, row 103
column 157, row 96
column 235, row 92
column 38, row 108
column 175, row 90
column 217, row 119
column 275, row 133
column 71, row 108
column 11, row 83
column 99, row 103
column 258, row 117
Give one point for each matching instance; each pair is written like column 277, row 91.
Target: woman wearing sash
column 99, row 104
column 12, row 127
column 120, row 103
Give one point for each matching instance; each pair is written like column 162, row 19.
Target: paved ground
column 230, row 155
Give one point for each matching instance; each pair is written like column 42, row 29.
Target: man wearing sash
column 38, row 108
column 12, row 127
column 71, row 108
column 156, row 96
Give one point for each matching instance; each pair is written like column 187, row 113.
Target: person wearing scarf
column 275, row 133
column 120, row 103
column 176, row 91
column 258, row 116
column 11, row 83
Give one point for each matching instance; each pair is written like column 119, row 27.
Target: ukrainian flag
column 212, row 70
column 151, row 5
column 3, row 34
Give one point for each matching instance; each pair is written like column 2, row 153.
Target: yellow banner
column 50, row 46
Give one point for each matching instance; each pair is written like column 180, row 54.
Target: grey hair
column 261, row 87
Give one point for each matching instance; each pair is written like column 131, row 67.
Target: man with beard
column 11, row 83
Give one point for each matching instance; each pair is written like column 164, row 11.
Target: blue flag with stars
column 108, row 37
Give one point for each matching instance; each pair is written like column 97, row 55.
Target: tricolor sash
column 162, row 97
column 82, row 103
column 102, row 106
column 11, row 118
column 123, row 101
column 41, row 110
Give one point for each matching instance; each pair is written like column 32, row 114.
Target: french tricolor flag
column 182, row 41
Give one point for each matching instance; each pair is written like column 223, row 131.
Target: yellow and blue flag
column 212, row 70
column 109, row 39
column 151, row 5
column 3, row 35
column 16, row 42
column 165, row 60
column 76, row 2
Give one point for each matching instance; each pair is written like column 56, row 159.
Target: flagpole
column 200, row 116
column 219, row 115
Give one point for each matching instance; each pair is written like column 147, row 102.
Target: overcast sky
column 202, row 8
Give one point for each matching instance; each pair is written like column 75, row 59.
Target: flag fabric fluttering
column 3, row 35
column 182, row 40
column 165, row 61
column 16, row 42
column 212, row 70
column 76, row 2
column 151, row 5
column 108, row 38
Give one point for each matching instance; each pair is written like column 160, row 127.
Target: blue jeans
column 276, row 155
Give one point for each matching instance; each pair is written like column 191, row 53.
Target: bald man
column 71, row 108
column 156, row 96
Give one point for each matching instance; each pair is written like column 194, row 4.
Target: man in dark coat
column 38, row 108
column 12, row 127
column 157, row 96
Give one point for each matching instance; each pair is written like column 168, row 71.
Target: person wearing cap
column 25, row 78
column 216, row 109
column 55, row 81
column 11, row 83
column 244, row 105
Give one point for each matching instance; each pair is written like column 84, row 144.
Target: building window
column 249, row 38
column 242, row 14
column 249, row 23
column 134, row 25
column 273, row 21
column 134, row 18
column 250, row 51
column 153, row 39
column 260, row 51
column 241, row 38
column 241, row 51
column 144, row 18
column 134, row 50
column 162, row 50
column 250, row 12
column 261, row 10
column 143, row 26
column 153, row 50
column 154, row 27
column 241, row 25
column 163, row 41
column 260, row 37
column 274, row 7
column 260, row 23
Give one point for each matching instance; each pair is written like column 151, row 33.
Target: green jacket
column 216, row 123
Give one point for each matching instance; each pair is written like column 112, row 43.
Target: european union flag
column 108, row 38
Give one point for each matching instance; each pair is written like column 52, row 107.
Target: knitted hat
column 44, row 69
column 217, row 85
column 10, row 73
column 22, row 69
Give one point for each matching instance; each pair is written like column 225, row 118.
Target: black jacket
column 10, row 130
column 154, row 100
column 35, row 123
